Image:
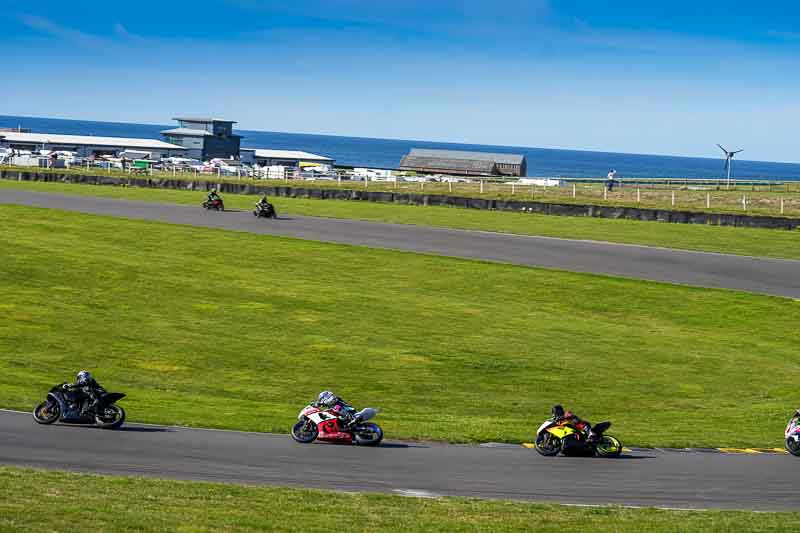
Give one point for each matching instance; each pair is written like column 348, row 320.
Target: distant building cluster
column 461, row 163
column 209, row 145
column 199, row 144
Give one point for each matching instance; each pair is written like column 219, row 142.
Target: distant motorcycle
column 792, row 435
column 326, row 425
column 553, row 438
column 60, row 405
column 215, row 204
column 266, row 211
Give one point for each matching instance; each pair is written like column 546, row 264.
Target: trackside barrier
column 544, row 208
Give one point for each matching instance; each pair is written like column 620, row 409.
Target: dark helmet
column 557, row 411
column 83, row 377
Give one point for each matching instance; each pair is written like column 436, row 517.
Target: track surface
column 760, row 275
column 662, row 479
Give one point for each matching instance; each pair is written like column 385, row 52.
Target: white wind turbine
column 729, row 161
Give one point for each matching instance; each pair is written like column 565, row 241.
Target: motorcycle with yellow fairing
column 554, row 437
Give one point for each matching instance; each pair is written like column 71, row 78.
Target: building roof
column 508, row 159
column 87, row 140
column 289, row 154
column 188, row 131
column 441, row 164
column 204, row 119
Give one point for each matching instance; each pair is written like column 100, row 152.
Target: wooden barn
column 462, row 163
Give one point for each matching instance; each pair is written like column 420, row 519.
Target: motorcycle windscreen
column 366, row 414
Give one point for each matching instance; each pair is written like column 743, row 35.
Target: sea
column 386, row 153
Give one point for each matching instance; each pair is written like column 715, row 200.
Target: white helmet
column 326, row 398
column 83, row 377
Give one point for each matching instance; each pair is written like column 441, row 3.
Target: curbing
column 530, row 445
column 543, row 208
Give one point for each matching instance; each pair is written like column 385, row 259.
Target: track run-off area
column 653, row 478
column 778, row 277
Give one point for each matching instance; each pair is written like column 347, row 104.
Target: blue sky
column 671, row 78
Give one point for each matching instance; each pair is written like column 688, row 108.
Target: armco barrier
column 545, row 208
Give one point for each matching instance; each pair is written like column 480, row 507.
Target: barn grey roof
column 508, row 159
column 470, row 166
column 86, row 140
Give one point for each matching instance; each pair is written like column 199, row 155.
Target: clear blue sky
column 650, row 77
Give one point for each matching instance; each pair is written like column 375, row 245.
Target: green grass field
column 32, row 500
column 232, row 330
column 745, row 241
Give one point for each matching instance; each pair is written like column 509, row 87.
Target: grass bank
column 82, row 502
column 232, row 330
column 761, row 199
column 744, row 241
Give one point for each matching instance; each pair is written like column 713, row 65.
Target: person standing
column 611, row 180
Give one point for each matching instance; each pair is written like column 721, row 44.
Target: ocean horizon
column 386, row 153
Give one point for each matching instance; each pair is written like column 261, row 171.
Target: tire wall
column 544, row 208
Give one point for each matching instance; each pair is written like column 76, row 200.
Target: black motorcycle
column 266, row 211
column 62, row 405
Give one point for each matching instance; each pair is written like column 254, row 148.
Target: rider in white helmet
column 86, row 390
column 329, row 400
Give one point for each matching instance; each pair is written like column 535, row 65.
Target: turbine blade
column 723, row 149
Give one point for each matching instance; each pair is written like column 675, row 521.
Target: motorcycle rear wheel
column 792, row 446
column 547, row 444
column 608, row 446
column 368, row 435
column 52, row 413
column 115, row 417
column 305, row 431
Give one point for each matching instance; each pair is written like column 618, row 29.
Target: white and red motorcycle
column 327, row 425
column 792, row 435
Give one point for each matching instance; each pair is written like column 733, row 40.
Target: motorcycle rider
column 263, row 203
column 85, row 392
column 329, row 400
column 562, row 417
column 212, row 195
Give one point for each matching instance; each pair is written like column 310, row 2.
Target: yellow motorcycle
column 553, row 438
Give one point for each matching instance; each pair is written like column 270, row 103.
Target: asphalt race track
column 760, row 275
column 645, row 478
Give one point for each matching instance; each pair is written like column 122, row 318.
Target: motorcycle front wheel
column 792, row 446
column 113, row 416
column 368, row 435
column 608, row 446
column 46, row 413
column 547, row 444
column 305, row 431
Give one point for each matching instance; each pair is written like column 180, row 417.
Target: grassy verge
column 233, row 330
column 745, row 241
column 81, row 502
column 762, row 199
